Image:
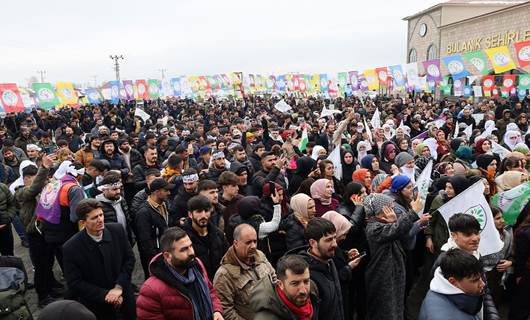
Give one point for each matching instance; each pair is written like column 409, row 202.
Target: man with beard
column 114, row 206
column 33, row 152
column 152, row 219
column 271, row 171
column 89, row 152
column 242, row 172
column 11, row 160
column 293, row 296
column 217, row 167
column 242, row 268
column 255, row 157
column 208, row 188
column 25, row 138
column 240, row 156
column 209, row 242
column 179, row 205
column 98, row 263
column 178, row 287
column 150, row 162
column 73, row 140
column 322, row 237
column 109, row 152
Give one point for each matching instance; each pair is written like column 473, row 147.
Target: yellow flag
column 314, row 83
column 371, row 79
column 500, row 59
column 66, row 94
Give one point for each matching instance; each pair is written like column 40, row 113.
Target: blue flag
column 114, row 91
column 456, row 67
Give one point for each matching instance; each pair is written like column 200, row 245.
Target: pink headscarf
column 317, row 190
column 339, row 221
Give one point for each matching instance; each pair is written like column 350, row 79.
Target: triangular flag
column 303, row 142
column 142, row 114
column 468, row 131
column 334, row 156
column 376, row 119
column 424, row 182
column 282, row 106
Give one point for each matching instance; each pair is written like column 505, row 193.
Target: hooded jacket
column 445, row 301
column 111, row 212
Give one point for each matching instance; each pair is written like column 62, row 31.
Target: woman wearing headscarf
column 318, row 151
column 305, row 186
column 344, row 260
column 348, row 166
column 304, row 167
column 385, row 272
column 482, row 146
column 322, row 193
column 487, row 164
column 294, row 224
column 510, row 179
column 388, row 154
column 371, row 163
column 363, row 177
column 362, row 149
column 511, row 139
column 327, row 171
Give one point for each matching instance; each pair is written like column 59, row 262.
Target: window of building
column 432, row 52
column 413, row 56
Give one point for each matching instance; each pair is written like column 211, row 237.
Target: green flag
column 45, row 94
column 479, row 60
column 447, row 89
column 154, row 88
column 343, row 82
column 524, row 81
column 512, row 201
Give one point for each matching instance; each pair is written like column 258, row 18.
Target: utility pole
column 42, row 73
column 95, row 81
column 163, row 72
column 117, row 65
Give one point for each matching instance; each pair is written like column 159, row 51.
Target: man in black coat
column 209, row 242
column 98, row 263
column 179, row 205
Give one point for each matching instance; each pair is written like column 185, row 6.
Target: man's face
column 109, row 148
column 93, row 172
column 219, row 163
column 151, row 155
column 114, row 136
column 268, row 162
column 231, row 190
column 466, row 242
column 163, row 144
column 182, row 255
column 190, row 187
column 94, row 221
column 112, row 193
column 241, row 156
column 260, row 151
column 467, row 112
column 243, row 178
column 246, row 246
column 69, row 131
column 200, row 217
column 9, row 155
column 162, row 194
column 212, row 195
column 125, row 147
column 32, row 154
column 296, row 287
column 473, row 285
column 95, row 143
column 325, row 247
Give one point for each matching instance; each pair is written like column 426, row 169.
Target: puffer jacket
column 235, row 281
column 7, row 205
column 294, row 232
column 163, row 297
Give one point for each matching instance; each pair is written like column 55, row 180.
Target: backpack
column 13, row 305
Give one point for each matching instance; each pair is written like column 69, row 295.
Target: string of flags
column 460, row 80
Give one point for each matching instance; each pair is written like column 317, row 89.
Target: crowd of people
column 234, row 214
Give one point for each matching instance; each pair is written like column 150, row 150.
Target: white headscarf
column 67, row 167
column 509, row 141
column 361, row 154
column 388, row 131
column 20, row 181
column 316, row 151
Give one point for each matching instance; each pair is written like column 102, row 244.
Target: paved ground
column 31, row 295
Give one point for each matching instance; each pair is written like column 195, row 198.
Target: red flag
column 495, row 91
column 382, row 74
column 488, row 82
column 296, row 83
column 522, row 51
column 203, row 83
column 143, row 92
column 508, row 82
column 11, row 99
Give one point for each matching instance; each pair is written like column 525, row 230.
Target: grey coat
column 385, row 273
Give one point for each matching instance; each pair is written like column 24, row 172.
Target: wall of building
column 455, row 13
column 421, row 44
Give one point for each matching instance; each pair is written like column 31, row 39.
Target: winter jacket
column 8, row 208
column 163, row 297
column 110, row 214
column 150, row 225
column 139, row 175
column 327, row 280
column 267, row 305
column 210, row 249
column 26, row 197
column 179, row 205
column 214, row 173
column 139, row 198
column 294, row 232
column 235, row 281
column 445, row 301
column 83, row 156
column 116, row 163
column 261, row 177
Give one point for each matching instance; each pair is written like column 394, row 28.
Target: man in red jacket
column 178, row 287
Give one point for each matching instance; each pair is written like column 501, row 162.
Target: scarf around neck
column 304, row 312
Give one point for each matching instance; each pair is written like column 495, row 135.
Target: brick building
column 460, row 26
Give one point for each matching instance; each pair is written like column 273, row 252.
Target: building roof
column 468, row 3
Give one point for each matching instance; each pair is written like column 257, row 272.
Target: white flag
column 328, row 112
column 473, row 202
column 469, row 131
column 334, row 156
column 457, row 129
column 433, row 145
column 142, row 114
column 376, row 119
column 478, row 117
column 423, row 183
column 368, row 131
column 498, row 149
column 282, row 106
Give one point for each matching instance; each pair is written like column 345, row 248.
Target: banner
column 93, row 96
column 500, row 59
column 411, row 70
column 479, row 61
column 508, row 82
column 142, row 114
column 524, row 81
column 324, row 83
column 473, row 202
column 153, row 88
column 432, row 70
column 66, row 93
column 334, row 157
column 354, row 80
column 175, row 84
column 129, row 89
column 423, row 183
column 141, row 87
column 522, row 52
column 363, row 83
column 45, row 94
column 11, row 98
column 397, row 76
column 282, row 106
column 371, row 79
column 382, row 76
column 487, row 83
column 477, row 91
column 458, row 87
column 455, row 66
column 342, row 79
column 114, row 91
column 512, row 202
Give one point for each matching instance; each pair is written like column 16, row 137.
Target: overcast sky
column 73, row 41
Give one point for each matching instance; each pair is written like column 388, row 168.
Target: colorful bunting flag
column 363, row 83
column 153, row 88
column 129, row 89
column 411, row 70
column 455, row 66
column 487, row 83
column 500, row 59
column 458, row 87
column 324, row 83
column 524, row 81
column 432, row 70
column 354, row 80
column 522, row 51
column 114, row 91
column 397, row 76
column 11, row 98
column 382, row 76
column 45, row 94
column 508, row 82
column 479, row 61
column 142, row 90
column 93, row 96
column 66, row 93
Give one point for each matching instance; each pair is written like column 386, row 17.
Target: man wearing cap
column 115, row 208
column 152, row 219
column 242, row 172
column 179, row 205
column 33, row 152
column 205, row 155
column 217, row 167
